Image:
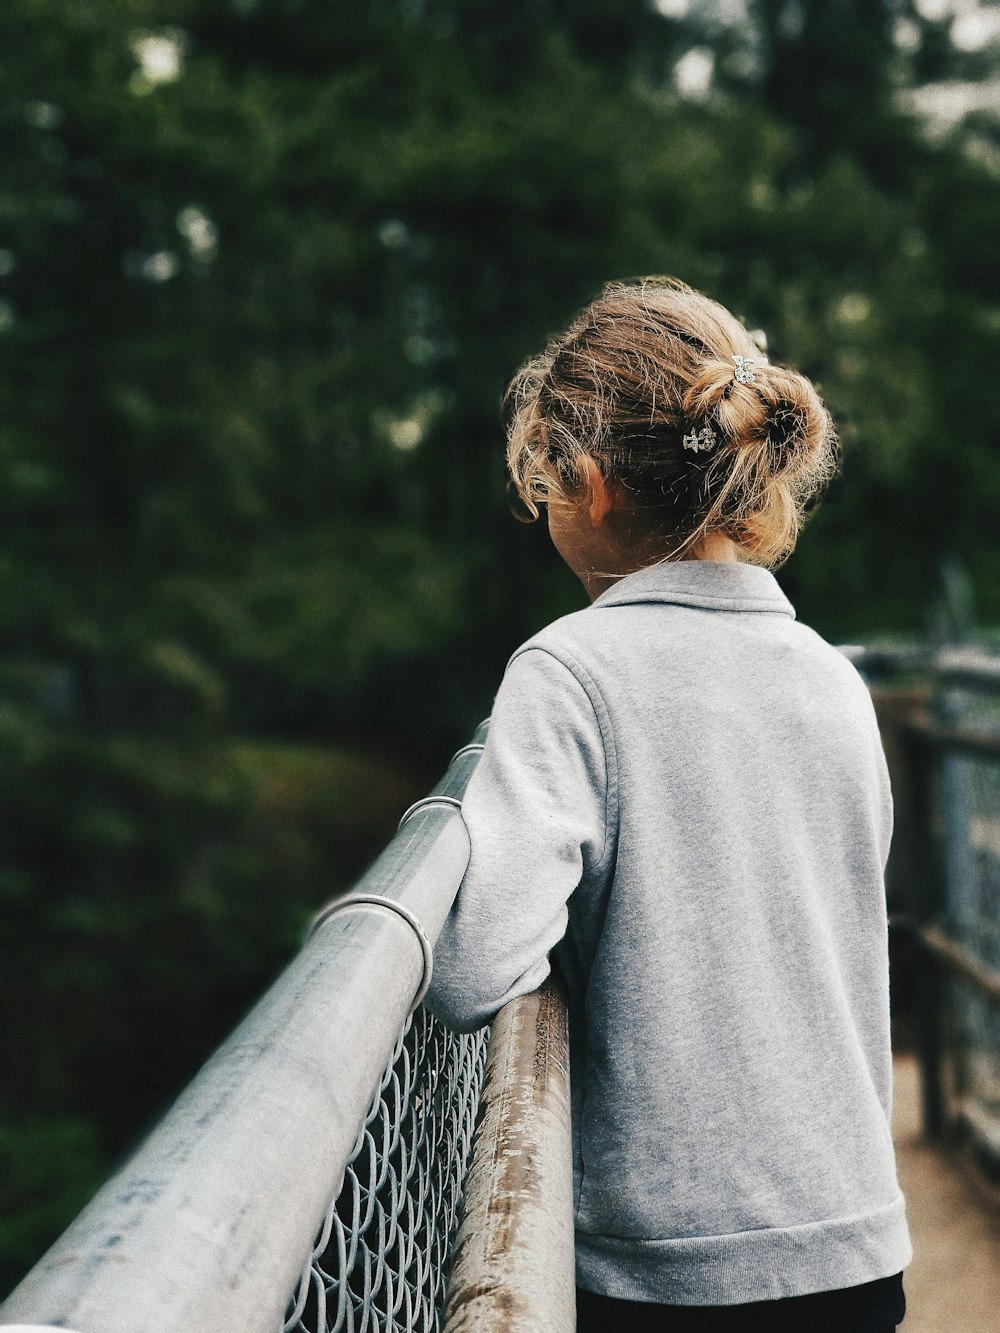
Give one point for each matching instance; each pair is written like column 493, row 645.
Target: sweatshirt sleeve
column 537, row 813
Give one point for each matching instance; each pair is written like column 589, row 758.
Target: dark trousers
column 874, row 1307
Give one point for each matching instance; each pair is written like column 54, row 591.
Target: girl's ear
column 600, row 492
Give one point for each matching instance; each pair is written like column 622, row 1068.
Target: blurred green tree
column 266, row 267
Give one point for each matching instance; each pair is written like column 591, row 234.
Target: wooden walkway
column 953, row 1285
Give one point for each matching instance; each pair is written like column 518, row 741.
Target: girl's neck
column 714, row 547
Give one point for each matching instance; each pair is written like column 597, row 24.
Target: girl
column 683, row 802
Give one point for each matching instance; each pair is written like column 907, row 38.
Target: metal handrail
column 969, row 668
column 514, row 1258
column 954, row 740
column 206, row 1227
column 951, row 954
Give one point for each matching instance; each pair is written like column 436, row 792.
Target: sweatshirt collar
column 716, row 585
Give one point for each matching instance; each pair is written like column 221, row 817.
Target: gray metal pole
column 207, row 1227
column 514, row 1260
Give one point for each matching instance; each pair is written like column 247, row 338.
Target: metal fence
column 278, row 1193
column 949, row 799
column 383, row 1254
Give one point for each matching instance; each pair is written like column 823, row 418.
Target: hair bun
column 794, row 427
column 776, row 413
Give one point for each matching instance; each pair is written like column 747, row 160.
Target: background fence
column 947, row 884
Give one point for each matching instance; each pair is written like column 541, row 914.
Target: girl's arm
column 538, row 819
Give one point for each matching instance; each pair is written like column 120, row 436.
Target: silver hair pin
column 701, row 440
column 744, row 369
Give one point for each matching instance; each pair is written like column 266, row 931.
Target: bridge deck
column 954, row 1281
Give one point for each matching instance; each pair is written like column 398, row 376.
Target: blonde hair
column 638, row 369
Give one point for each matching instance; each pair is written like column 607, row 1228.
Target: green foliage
column 266, row 309
column 48, row 1170
column 259, row 302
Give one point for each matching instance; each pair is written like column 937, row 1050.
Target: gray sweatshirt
column 683, row 800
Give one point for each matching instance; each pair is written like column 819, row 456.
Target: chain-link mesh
column 382, row 1257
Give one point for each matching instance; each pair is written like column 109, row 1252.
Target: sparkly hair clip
column 701, row 440
column 744, row 369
